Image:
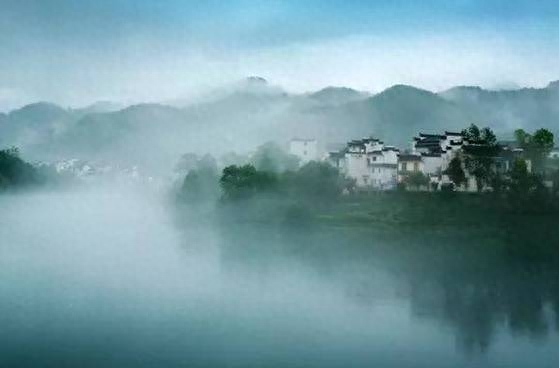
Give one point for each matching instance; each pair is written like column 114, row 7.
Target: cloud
column 142, row 67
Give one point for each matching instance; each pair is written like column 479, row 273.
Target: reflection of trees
column 476, row 281
column 510, row 284
column 476, row 305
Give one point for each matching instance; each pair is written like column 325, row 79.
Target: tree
column 488, row 136
column 522, row 138
column 541, row 145
column 520, row 179
column 199, row 186
column 316, row 180
column 15, row 172
column 416, row 180
column 480, row 153
column 272, row 158
column 201, row 182
column 472, row 133
column 186, row 163
column 455, row 172
column 536, row 146
column 207, row 164
column 526, row 190
column 239, row 182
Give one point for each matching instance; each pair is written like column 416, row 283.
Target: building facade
column 305, row 149
column 368, row 161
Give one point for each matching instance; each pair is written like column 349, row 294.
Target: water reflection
column 476, row 289
column 114, row 280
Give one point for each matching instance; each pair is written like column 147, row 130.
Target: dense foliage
column 480, row 153
column 537, row 146
column 15, row 172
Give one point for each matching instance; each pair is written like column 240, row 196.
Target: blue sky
column 77, row 51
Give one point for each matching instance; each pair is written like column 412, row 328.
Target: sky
column 75, row 52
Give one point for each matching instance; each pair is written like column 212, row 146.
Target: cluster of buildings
column 374, row 165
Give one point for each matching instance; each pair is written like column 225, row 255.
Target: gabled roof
column 391, row 148
column 384, row 164
column 439, row 136
column 338, row 154
column 427, row 144
column 432, row 154
column 409, row 157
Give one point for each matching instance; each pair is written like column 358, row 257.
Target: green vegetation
column 200, row 183
column 270, row 157
column 537, row 146
column 243, row 182
column 480, row 153
column 455, row 172
column 16, row 173
column 416, row 180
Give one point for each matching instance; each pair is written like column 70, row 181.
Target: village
column 423, row 166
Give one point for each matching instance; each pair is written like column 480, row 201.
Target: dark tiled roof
column 423, row 135
column 384, row 165
column 336, row 154
column 408, row 157
column 427, row 144
column 390, row 148
column 446, row 132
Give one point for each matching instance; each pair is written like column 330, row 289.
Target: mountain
column 401, row 111
column 99, row 106
column 337, row 95
column 37, row 113
column 507, row 110
column 553, row 85
column 132, row 134
column 33, row 124
column 252, row 111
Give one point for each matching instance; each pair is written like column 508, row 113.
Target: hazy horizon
column 73, row 53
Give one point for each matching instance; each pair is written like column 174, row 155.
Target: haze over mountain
column 242, row 116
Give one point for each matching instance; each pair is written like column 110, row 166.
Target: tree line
column 273, row 172
column 16, row 173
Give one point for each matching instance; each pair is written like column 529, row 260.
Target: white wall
column 305, row 149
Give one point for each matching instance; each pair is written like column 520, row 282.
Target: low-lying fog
column 104, row 277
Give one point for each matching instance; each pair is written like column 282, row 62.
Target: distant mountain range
column 253, row 111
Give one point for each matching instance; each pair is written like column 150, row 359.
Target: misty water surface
column 110, row 278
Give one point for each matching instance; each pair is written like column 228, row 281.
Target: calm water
column 102, row 279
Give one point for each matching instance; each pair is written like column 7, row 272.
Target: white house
column 369, row 162
column 432, row 153
column 305, row 149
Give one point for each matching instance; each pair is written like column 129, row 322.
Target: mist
column 112, row 275
column 279, row 184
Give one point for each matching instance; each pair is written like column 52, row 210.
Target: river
column 106, row 278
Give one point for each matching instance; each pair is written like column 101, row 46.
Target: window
column 374, row 158
column 416, row 166
column 404, row 166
